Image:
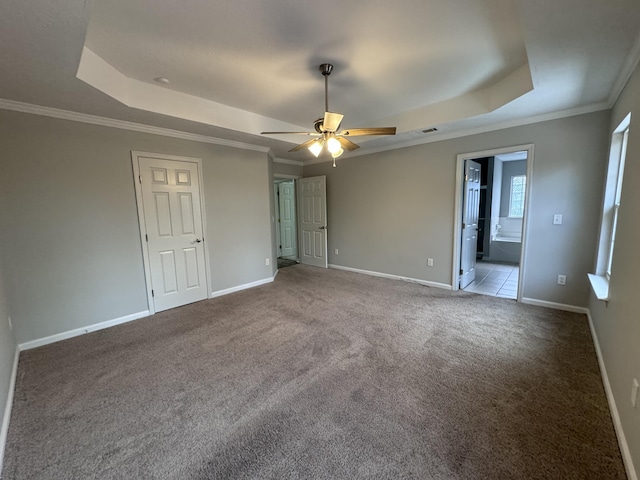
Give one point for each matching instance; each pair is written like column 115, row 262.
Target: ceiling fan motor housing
column 326, row 69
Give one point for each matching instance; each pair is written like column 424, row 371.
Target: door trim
column 457, row 222
column 135, row 155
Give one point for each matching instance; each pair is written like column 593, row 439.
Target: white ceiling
column 237, row 68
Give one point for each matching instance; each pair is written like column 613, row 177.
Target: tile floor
column 495, row 279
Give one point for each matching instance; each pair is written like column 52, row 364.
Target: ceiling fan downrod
column 326, row 69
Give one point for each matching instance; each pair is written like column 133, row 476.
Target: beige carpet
column 322, row 374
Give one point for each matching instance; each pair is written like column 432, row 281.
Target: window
column 610, row 210
column 618, row 172
column 516, row 196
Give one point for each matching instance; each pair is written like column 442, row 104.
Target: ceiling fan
column 326, row 128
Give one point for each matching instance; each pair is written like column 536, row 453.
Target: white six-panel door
column 470, row 217
column 313, row 221
column 287, row 208
column 174, row 231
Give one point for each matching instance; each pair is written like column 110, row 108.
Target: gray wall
column 70, row 237
column 286, row 169
column 272, row 218
column 617, row 324
column 388, row 212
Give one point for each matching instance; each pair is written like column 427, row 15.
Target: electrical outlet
column 634, row 393
column 10, row 324
column 557, row 219
column 336, row 251
column 429, row 262
column 267, row 261
column 562, row 279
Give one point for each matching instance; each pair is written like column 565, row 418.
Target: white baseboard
column 613, row 408
column 81, row 331
column 238, row 288
column 128, row 318
column 7, row 409
column 554, row 305
column 393, row 277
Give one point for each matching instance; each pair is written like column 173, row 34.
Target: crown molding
column 439, row 137
column 286, row 161
column 625, row 73
column 122, row 124
column 166, row 132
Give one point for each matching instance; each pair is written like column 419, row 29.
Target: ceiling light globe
column 333, row 145
column 315, row 148
column 338, row 153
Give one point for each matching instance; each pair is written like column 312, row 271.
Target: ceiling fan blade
column 290, row 133
column 303, row 145
column 354, row 132
column 347, row 144
column 331, row 121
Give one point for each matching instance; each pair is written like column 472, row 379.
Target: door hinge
column 139, row 179
column 152, row 293
column 146, row 237
column 461, row 271
column 464, row 225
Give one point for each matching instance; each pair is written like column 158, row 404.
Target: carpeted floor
column 323, row 374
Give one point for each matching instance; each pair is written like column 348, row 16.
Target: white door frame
column 135, row 155
column 457, row 223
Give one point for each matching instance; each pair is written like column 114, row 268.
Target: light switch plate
column 557, row 219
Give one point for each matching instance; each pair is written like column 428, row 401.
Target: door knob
column 197, row 240
column 323, row 227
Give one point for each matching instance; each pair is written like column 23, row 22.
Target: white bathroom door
column 173, row 224
column 470, row 216
column 287, row 206
column 313, row 221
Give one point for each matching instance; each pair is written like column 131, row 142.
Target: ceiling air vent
column 430, row 130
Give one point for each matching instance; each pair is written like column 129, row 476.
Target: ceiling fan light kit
column 316, row 148
column 327, row 128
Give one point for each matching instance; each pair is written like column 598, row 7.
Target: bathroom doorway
column 495, row 230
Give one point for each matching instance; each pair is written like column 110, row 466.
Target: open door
column 287, row 220
column 470, row 215
column 313, row 221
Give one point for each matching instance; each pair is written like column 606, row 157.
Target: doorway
column 301, row 224
column 491, row 219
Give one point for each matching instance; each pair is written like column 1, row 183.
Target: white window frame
column 616, row 202
column 610, row 210
column 524, row 192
